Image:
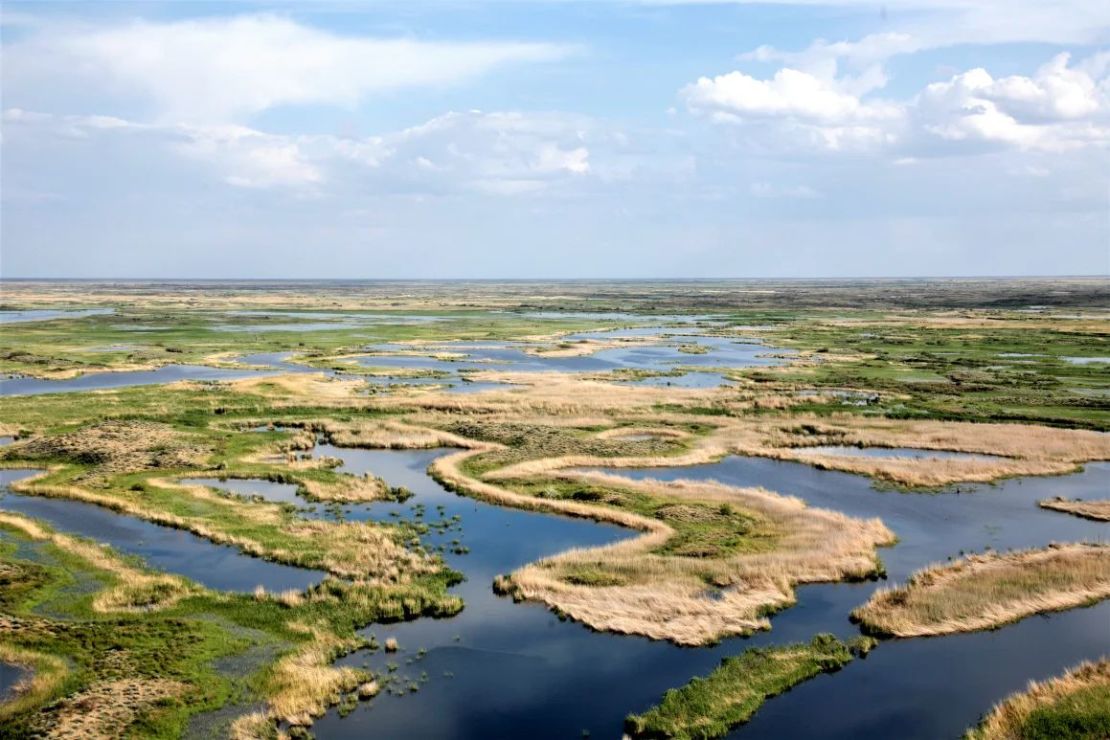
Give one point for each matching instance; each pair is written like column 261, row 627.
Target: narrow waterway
column 221, row 567
column 501, row 669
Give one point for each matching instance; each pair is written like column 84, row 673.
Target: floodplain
column 564, row 509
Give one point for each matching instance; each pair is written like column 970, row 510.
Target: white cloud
column 221, row 69
column 1060, row 107
column 500, row 152
column 790, row 93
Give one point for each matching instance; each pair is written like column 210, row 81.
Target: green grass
column 702, row 529
column 1083, row 715
column 709, row 707
column 182, row 642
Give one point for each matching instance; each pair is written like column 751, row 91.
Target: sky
column 564, row 139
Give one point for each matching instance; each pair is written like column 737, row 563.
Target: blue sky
column 477, row 139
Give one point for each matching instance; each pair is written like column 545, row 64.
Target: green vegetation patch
column 709, row 707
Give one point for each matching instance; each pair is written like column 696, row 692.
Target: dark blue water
column 173, row 550
column 514, row 670
column 930, row 526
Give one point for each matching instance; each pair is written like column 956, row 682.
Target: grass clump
column 709, row 707
column 986, row 591
column 1075, row 706
column 1098, row 511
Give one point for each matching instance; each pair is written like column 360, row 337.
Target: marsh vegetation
column 562, row 381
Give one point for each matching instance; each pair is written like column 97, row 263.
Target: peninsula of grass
column 1097, row 510
column 1075, row 706
column 989, row 590
column 709, row 707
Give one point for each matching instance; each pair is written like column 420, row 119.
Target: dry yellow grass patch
column 1098, row 510
column 555, row 394
column 985, row 591
column 118, row 446
column 389, row 434
column 47, row 672
column 366, row 553
column 1025, row 449
column 1008, row 718
column 107, row 709
column 134, row 589
column 666, row 596
column 303, row 684
column 633, row 432
column 586, row 347
column 348, row 489
column 1021, row 449
column 296, row 388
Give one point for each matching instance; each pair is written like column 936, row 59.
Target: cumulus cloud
column 1060, row 107
column 225, row 69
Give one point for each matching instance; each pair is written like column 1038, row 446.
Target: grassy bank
column 985, row 591
column 709, row 707
column 1075, row 706
column 1098, row 510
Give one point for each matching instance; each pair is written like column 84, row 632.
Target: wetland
column 470, row 510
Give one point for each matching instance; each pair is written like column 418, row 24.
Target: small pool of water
column 48, row 314
column 477, row 355
column 1086, row 360
column 10, row 676
column 687, row 380
column 220, row 567
column 104, row 380
column 903, row 452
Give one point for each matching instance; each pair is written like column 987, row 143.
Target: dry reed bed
column 1008, row 719
column 669, row 599
column 986, row 591
column 303, row 684
column 1098, row 510
column 1023, row 449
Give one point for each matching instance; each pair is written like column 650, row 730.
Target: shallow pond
column 49, row 314
column 1086, row 360
column 10, row 675
column 502, row 670
column 666, row 356
column 903, row 452
column 219, row 567
column 273, row 363
column 100, row 381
